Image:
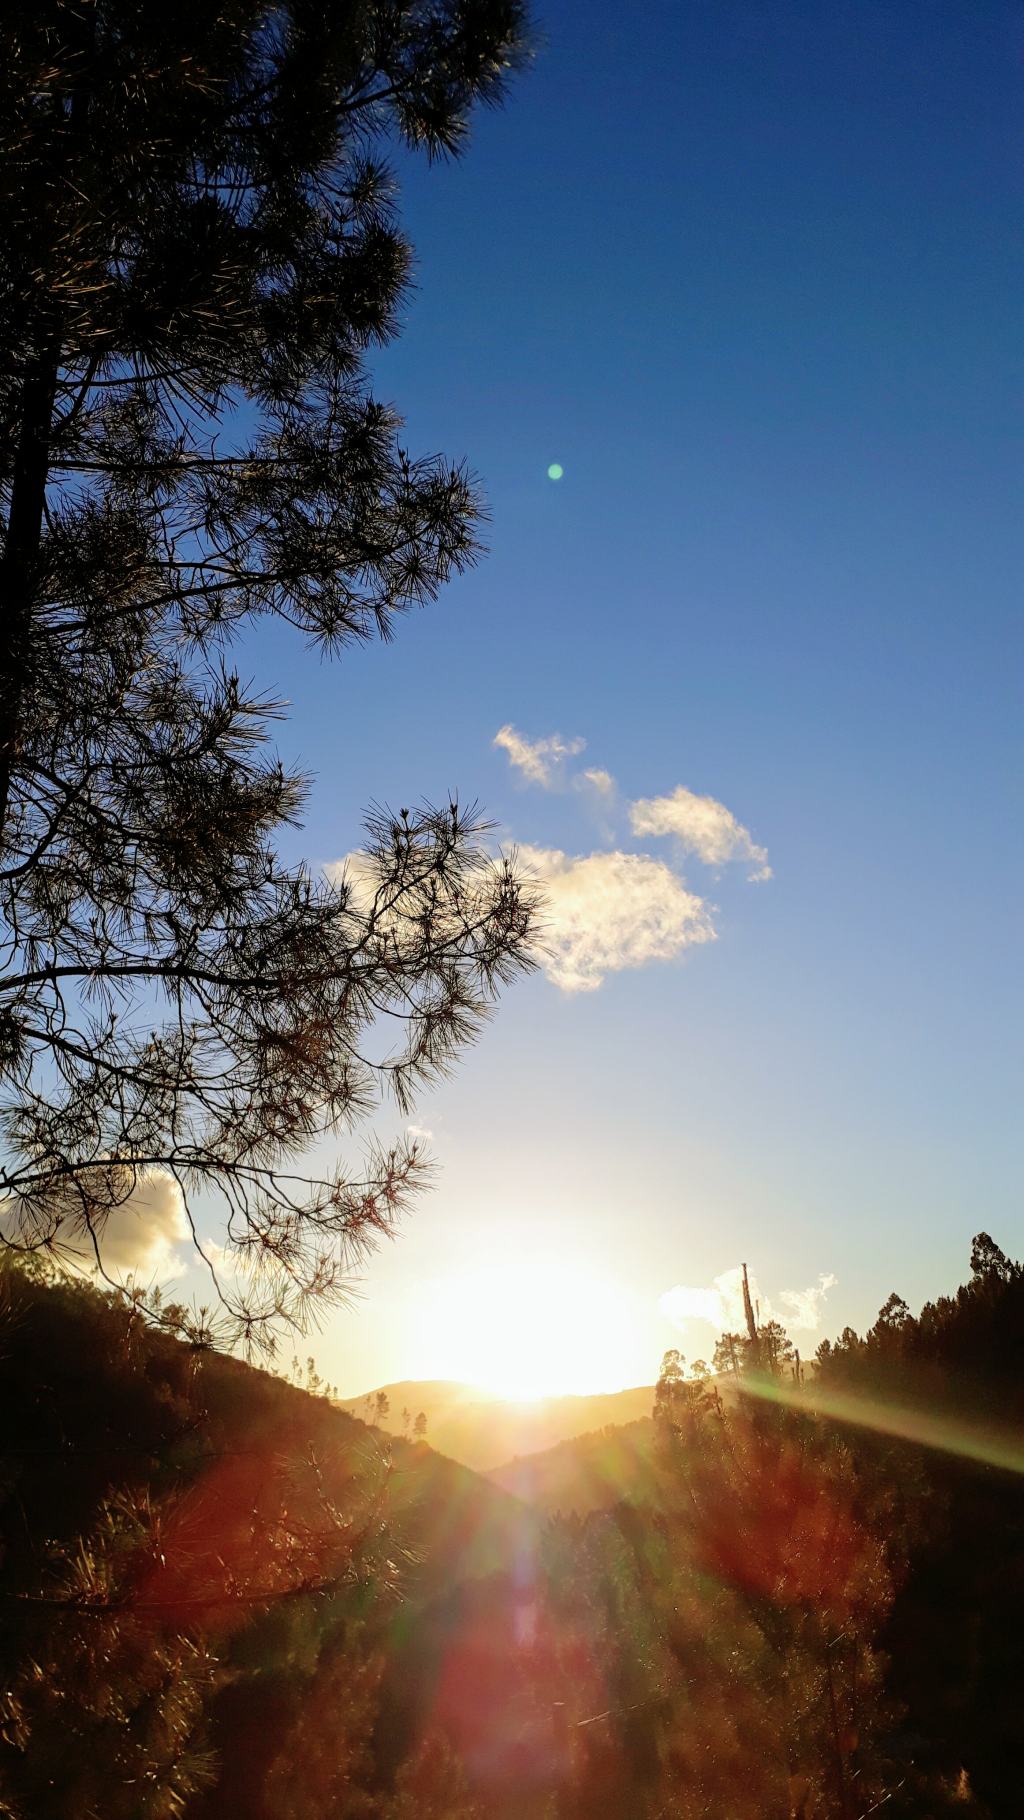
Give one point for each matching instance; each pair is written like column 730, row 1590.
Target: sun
column 525, row 1327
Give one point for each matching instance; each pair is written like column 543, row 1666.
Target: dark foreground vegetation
column 222, row 1595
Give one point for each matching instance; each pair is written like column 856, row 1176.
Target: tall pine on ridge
column 199, row 249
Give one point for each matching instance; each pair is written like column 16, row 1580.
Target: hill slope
column 587, row 1473
column 203, row 1571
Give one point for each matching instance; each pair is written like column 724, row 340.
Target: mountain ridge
column 486, row 1432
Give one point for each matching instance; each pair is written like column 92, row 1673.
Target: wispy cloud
column 540, row 761
column 608, row 911
column 720, row 1303
column 702, row 826
column 596, row 779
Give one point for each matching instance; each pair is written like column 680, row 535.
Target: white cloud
column 139, row 1237
column 802, row 1308
column 235, row 1267
column 419, row 1134
column 720, row 1304
column 142, row 1235
column 702, row 826
column 541, row 761
column 682, row 1304
column 228, row 1263
column 358, row 871
column 607, row 911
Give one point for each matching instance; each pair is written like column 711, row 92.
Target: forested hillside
column 202, row 1569
column 589, row 1472
column 223, row 1595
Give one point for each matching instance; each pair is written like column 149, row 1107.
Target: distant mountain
column 484, row 1431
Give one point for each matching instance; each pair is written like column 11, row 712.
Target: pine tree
column 988, row 1260
column 431, row 1785
column 199, row 250
column 729, row 1353
column 775, row 1348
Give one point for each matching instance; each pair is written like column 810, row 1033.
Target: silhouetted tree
column 893, row 1314
column 987, row 1260
column 753, row 1345
column 953, row 1642
column 199, row 247
column 679, row 1402
column 775, row 1346
column 671, row 1378
column 419, row 1427
column 728, row 1354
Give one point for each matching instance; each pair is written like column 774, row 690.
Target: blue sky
column 751, row 274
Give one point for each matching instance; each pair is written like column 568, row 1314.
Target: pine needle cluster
column 200, row 251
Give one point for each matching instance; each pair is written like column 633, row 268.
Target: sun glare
column 525, row 1328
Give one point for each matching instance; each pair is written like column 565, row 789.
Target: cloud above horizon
column 540, row 761
column 605, row 912
column 140, row 1237
column 802, row 1308
column 143, row 1234
column 703, row 827
column 720, row 1303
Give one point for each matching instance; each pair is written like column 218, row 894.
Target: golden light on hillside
column 524, row 1327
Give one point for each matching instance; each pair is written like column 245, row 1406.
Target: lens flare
column 555, row 471
column 987, row 1445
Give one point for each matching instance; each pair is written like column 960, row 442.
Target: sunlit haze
column 523, row 1330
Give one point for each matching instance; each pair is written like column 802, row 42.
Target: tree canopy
column 200, row 249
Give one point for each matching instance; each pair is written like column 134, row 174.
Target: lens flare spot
column 555, row 471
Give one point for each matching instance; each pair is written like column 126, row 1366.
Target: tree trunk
column 20, row 559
